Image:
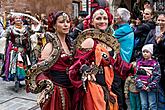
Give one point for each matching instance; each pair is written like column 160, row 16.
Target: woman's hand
column 89, row 76
column 126, row 96
column 44, row 95
column 47, row 50
column 148, row 89
column 138, row 21
column 144, row 88
column 134, row 64
column 159, row 38
column 41, row 98
column 89, row 72
column 88, row 43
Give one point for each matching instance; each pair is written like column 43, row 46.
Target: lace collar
column 19, row 31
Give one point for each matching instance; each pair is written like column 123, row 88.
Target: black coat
column 158, row 48
column 143, row 30
column 158, row 53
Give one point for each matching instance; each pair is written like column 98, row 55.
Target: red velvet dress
column 94, row 98
column 61, row 98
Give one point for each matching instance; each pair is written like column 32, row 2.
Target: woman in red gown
column 49, row 77
column 97, row 56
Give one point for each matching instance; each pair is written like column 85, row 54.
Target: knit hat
column 148, row 47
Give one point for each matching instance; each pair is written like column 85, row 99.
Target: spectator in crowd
column 132, row 93
column 157, row 37
column 124, row 33
column 4, row 20
column 38, row 39
column 44, row 21
column 75, row 21
column 27, row 20
column 136, row 10
column 160, row 6
column 146, row 4
column 2, row 50
column 147, row 79
column 141, row 31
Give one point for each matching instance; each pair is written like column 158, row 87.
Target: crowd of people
column 99, row 63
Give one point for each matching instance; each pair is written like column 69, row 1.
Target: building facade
column 73, row 7
column 36, row 6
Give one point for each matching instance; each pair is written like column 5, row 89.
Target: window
column 75, row 8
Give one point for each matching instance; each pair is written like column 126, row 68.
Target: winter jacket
column 142, row 31
column 125, row 36
column 158, row 48
column 148, row 79
column 130, row 85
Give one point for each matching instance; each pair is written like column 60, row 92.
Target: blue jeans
column 161, row 100
column 148, row 100
column 134, row 101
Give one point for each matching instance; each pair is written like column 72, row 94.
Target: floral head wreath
column 87, row 23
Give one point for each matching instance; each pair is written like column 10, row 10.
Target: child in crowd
column 132, row 93
column 147, row 78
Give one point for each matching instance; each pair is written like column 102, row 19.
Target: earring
column 54, row 28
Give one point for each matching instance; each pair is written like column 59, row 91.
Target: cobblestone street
column 10, row 100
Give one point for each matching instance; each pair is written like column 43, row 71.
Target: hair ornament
column 64, row 16
column 101, row 12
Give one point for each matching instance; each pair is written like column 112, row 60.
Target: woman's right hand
column 138, row 21
column 126, row 96
column 41, row 97
column 44, row 95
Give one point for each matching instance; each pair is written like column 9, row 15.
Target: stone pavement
column 10, row 100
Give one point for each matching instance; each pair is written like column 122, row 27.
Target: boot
column 16, row 86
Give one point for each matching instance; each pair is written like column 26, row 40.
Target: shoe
column 16, row 86
column 21, row 85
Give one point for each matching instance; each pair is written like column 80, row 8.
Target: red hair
column 53, row 18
